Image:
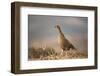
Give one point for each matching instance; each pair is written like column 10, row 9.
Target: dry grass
column 51, row 54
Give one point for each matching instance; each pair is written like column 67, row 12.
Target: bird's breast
column 60, row 40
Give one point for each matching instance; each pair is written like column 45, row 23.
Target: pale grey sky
column 41, row 30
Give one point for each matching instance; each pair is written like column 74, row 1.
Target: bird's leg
column 62, row 52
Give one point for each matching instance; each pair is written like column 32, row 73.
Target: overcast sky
column 41, row 30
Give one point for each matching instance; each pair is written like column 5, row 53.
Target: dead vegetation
column 51, row 54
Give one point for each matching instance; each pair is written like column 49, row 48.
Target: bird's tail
column 73, row 47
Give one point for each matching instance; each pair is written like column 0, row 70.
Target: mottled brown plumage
column 63, row 42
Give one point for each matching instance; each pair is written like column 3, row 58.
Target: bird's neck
column 60, row 32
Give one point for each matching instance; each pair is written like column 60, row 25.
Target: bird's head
column 57, row 27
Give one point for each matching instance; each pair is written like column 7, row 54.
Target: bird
column 62, row 41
